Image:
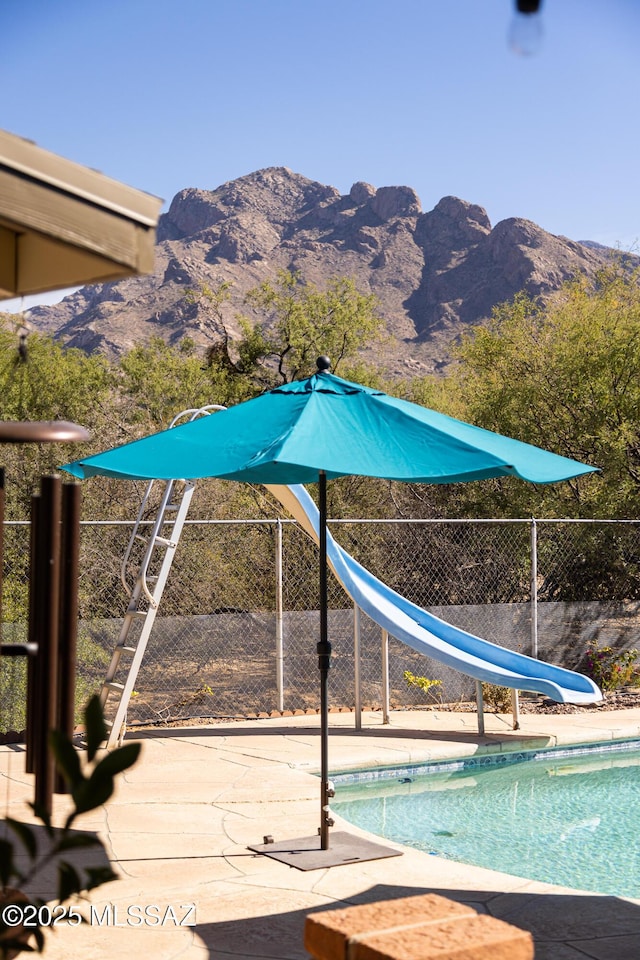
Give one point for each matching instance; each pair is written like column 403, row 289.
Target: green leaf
column 92, row 793
column 118, row 760
column 26, row 835
column 69, row 881
column 95, row 728
column 66, row 756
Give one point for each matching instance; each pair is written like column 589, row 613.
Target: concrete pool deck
column 178, row 827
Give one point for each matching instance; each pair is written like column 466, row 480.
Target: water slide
column 428, row 634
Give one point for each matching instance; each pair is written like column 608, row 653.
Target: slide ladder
column 147, row 586
column 144, row 595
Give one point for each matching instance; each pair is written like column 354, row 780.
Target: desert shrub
column 609, row 668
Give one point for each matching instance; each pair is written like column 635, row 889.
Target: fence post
column 480, row 707
column 385, row 676
column 356, row 667
column 534, row 588
column 279, row 619
column 515, row 709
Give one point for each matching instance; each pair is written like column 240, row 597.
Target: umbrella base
column 304, row 853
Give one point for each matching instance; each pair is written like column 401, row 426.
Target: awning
column 63, row 225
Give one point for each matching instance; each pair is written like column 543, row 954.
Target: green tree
column 564, row 376
column 158, row 381
column 302, row 322
column 211, row 300
column 41, row 380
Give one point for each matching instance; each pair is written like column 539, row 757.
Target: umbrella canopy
column 324, row 423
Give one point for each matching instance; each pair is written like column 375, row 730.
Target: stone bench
column 425, row 927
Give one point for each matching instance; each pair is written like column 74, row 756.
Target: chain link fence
column 237, row 627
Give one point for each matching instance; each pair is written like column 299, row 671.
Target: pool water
column 569, row 820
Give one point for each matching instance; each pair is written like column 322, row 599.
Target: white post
column 356, row 667
column 279, row 620
column 534, row 588
column 480, row 705
column 515, row 709
column 385, row 677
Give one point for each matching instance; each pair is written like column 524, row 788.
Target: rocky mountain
column 433, row 273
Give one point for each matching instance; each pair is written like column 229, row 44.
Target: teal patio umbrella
column 320, row 428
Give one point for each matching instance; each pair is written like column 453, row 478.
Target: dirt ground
column 615, row 700
column 529, row 703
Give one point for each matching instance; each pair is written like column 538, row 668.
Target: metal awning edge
column 26, row 159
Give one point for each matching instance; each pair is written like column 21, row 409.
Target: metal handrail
column 188, row 416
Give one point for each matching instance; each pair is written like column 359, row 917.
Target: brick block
column 424, row 927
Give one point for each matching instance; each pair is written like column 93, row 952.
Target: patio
column 178, row 828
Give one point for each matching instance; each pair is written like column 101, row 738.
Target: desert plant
column 499, row 698
column 424, row 684
column 609, row 668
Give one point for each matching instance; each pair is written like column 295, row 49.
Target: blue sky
column 167, row 94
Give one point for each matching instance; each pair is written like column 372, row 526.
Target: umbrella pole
column 324, row 660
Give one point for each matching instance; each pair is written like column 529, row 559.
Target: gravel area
column 530, row 703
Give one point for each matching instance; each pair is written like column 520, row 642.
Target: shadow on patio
column 564, row 926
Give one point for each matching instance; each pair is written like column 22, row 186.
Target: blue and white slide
column 428, row 634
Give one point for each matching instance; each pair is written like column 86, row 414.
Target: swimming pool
column 566, row 816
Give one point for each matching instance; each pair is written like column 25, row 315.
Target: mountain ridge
column 434, row 273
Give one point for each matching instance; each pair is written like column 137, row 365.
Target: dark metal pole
column 324, row 662
column 68, row 630
column 43, row 596
column 48, row 600
column 33, row 664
